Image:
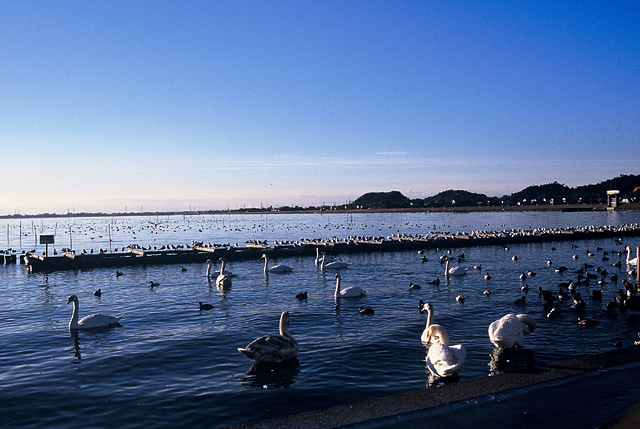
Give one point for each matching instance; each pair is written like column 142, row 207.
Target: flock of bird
column 442, row 358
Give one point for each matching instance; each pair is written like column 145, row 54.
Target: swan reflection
column 76, row 346
column 514, row 359
column 268, row 375
column 436, row 381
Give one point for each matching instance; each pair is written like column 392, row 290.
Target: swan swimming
column 443, row 360
column 223, row 281
column 279, row 268
column 333, row 265
column 274, row 347
column 509, row 330
column 92, row 320
column 633, row 261
column 318, row 259
column 349, row 292
column 454, row 271
column 211, row 273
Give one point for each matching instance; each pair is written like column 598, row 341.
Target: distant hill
column 543, row 194
column 628, row 185
column 382, row 200
column 551, row 193
column 456, row 198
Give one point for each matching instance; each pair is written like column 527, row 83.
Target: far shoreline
column 336, row 210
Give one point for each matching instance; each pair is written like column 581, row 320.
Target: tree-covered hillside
column 550, row 193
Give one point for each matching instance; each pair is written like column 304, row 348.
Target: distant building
column 612, row 199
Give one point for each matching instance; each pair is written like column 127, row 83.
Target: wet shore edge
column 475, row 399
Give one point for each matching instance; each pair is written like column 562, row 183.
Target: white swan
column 509, row 330
column 333, row 265
column 223, row 281
column 273, row 348
column 274, row 268
column 92, row 320
column 211, row 272
column 633, row 261
column 443, row 359
column 426, row 340
column 454, row 271
column 318, row 260
column 349, row 292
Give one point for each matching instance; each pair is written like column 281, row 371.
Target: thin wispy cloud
column 329, row 113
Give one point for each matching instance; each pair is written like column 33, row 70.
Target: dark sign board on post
column 47, row 239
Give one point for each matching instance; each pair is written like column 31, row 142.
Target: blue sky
column 171, row 105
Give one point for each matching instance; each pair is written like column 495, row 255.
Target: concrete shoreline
column 601, row 390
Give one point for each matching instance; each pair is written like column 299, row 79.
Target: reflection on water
column 76, row 346
column 515, row 359
column 168, row 351
column 436, row 381
column 268, row 375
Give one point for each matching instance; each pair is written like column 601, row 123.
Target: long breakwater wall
column 199, row 252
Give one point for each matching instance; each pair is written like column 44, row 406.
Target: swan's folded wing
column 270, row 348
column 444, row 361
column 506, row 332
column 98, row 321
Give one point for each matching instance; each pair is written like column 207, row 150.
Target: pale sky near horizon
column 171, row 105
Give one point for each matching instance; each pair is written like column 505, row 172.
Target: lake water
column 171, row 364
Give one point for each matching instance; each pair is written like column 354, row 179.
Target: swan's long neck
column 323, row 261
column 317, row 256
column 284, row 329
column 222, row 265
column 446, row 268
column 444, row 336
column 628, row 254
column 429, row 317
column 209, row 269
column 74, row 315
column 337, row 292
column 266, row 262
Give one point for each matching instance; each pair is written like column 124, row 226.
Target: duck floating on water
column 366, row 310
